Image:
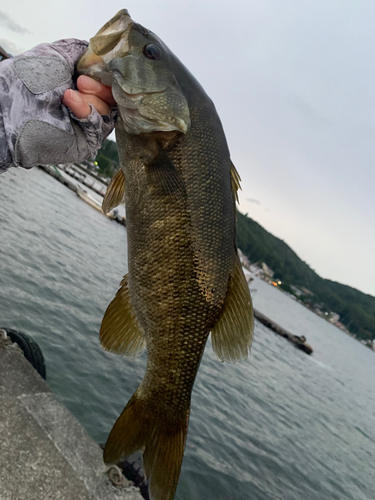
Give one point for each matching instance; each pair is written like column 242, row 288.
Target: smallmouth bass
column 185, row 279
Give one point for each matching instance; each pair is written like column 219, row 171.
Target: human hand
column 91, row 92
column 43, row 121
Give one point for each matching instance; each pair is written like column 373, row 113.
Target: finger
column 88, row 85
column 79, row 103
column 73, row 100
column 101, row 107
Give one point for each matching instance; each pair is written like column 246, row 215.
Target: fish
column 184, row 279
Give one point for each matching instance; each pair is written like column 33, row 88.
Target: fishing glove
column 35, row 127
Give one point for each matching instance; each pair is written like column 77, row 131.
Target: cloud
column 253, row 200
column 11, row 47
column 7, row 22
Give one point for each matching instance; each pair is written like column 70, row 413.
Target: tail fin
column 163, row 443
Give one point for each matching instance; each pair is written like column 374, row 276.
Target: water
column 281, row 425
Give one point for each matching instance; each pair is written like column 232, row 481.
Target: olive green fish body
column 184, row 277
column 162, row 277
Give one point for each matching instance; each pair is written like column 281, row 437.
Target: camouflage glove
column 35, row 127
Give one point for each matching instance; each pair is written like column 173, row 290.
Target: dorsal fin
column 120, row 332
column 115, row 193
column 235, row 182
column 233, row 333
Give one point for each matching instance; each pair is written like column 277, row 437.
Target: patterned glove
column 35, row 127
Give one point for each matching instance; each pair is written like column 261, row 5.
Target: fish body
column 184, row 277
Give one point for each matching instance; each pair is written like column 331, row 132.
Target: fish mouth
column 148, row 98
column 111, row 41
column 124, row 98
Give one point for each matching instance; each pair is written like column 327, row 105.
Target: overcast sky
column 294, row 83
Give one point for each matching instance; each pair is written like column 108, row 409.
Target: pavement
column 45, row 453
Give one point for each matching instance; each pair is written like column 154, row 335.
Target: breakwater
column 45, row 452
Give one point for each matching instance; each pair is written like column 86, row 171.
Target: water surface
column 282, row 425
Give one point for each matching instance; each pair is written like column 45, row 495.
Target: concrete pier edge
column 45, row 453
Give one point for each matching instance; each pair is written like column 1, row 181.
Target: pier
column 45, row 453
column 82, row 185
column 299, row 342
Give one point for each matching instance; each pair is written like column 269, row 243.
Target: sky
column 294, row 84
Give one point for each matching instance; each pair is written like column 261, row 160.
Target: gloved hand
column 35, row 127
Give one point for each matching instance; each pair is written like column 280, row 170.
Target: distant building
column 319, row 306
column 267, row 270
column 343, row 328
column 333, row 317
column 244, row 260
column 304, row 291
column 256, row 270
column 264, row 272
column 296, row 291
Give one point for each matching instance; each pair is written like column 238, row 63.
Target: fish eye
column 152, row 51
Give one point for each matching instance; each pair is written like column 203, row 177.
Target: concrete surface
column 45, row 453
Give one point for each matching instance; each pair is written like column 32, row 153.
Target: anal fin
column 233, row 333
column 120, row 332
column 115, row 193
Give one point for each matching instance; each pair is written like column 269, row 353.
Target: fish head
column 136, row 64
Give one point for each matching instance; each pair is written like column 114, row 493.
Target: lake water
column 282, row 425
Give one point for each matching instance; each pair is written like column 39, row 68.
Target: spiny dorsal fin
column 120, row 332
column 235, row 182
column 233, row 333
column 115, row 193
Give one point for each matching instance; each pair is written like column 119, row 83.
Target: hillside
column 356, row 309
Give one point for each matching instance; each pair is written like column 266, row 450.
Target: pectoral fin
column 120, row 332
column 164, row 176
column 233, row 333
column 115, row 193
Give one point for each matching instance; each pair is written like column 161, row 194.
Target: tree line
column 356, row 309
column 107, row 158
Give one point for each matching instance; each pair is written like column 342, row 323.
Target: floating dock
column 83, row 191
column 45, row 453
column 299, row 342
